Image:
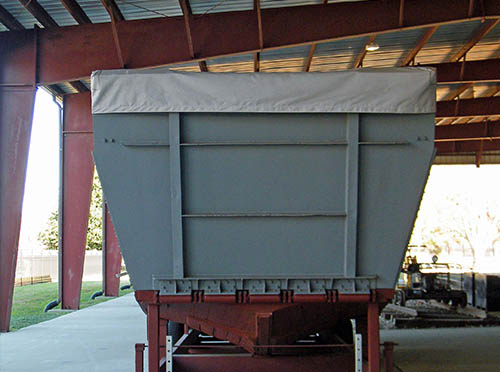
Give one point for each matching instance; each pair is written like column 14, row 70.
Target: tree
column 458, row 224
column 49, row 237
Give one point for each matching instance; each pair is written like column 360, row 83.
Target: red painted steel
column 17, row 56
column 78, row 170
column 486, row 130
column 339, row 362
column 139, row 357
column 163, row 337
column 468, row 107
column 16, row 111
column 388, row 356
column 259, row 327
column 373, row 338
column 468, row 72
column 153, row 314
column 112, row 258
column 216, row 34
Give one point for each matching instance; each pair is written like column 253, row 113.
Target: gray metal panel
column 198, row 127
column 351, row 200
column 264, row 196
column 176, row 195
column 136, row 180
column 265, row 247
column 238, row 179
column 391, row 183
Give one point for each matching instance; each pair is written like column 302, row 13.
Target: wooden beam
column 481, row 31
column 421, row 42
column 39, row 13
column 113, row 10
column 310, row 56
column 231, row 33
column 9, row 21
column 76, row 11
column 361, row 56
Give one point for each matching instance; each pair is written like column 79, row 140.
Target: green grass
column 29, row 302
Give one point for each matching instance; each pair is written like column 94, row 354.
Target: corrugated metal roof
column 446, row 42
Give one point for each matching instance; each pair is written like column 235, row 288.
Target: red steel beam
column 481, row 31
column 468, row 138
column 483, row 71
column 112, row 257
column 462, row 147
column 307, row 65
column 78, row 170
column 16, row 110
column 218, row 34
column 468, row 107
column 113, row 10
column 420, row 44
column 487, row 130
column 373, row 338
column 362, row 54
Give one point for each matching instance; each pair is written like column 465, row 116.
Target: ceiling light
column 371, row 47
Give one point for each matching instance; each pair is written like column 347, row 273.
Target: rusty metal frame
column 152, row 302
column 62, row 58
column 16, row 114
column 78, row 170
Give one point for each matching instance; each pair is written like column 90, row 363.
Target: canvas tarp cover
column 405, row 90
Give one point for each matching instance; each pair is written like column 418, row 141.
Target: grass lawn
column 30, row 300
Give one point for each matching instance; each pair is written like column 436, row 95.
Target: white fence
column 46, row 263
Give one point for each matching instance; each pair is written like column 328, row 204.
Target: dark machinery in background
column 430, row 281
column 483, row 290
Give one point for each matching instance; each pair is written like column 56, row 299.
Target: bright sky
column 42, row 185
column 42, row 180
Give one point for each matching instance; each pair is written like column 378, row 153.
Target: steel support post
column 373, row 338
column 153, row 337
column 111, row 256
column 18, row 77
column 388, row 356
column 163, row 338
column 78, row 170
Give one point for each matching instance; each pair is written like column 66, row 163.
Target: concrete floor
column 102, row 338
column 98, row 338
column 446, row 349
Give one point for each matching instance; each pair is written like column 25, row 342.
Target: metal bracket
column 169, row 362
column 358, row 353
column 358, row 348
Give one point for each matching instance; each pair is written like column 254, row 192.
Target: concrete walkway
column 102, row 338
column 446, row 349
column 98, row 338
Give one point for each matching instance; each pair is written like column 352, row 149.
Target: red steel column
column 373, row 338
column 154, row 337
column 78, row 170
column 17, row 91
column 112, row 257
